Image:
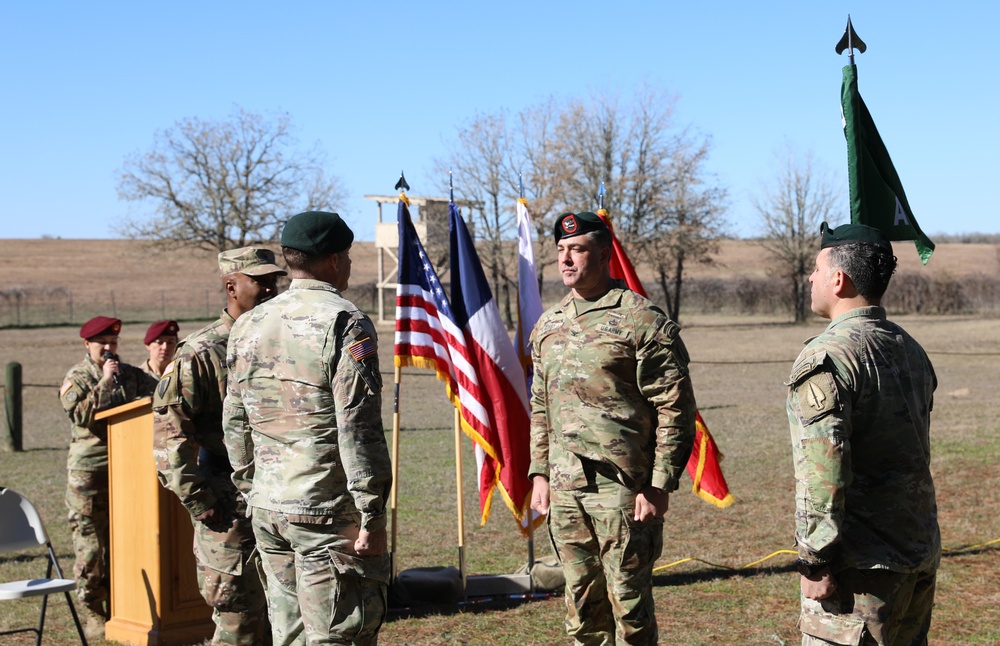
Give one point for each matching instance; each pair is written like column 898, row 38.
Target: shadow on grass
column 473, row 606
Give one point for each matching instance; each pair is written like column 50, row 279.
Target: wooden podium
column 154, row 584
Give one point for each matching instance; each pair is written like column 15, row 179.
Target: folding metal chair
column 21, row 528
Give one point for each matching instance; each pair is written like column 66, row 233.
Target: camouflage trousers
column 871, row 607
column 231, row 579
column 318, row 591
column 608, row 559
column 87, row 502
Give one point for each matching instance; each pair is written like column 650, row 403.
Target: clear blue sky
column 383, row 85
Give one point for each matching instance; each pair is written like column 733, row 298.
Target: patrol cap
column 160, row 328
column 252, row 261
column 317, row 232
column 848, row 233
column 569, row 225
column 100, row 326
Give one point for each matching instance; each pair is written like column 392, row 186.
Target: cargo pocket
column 359, row 599
column 219, row 568
column 816, row 621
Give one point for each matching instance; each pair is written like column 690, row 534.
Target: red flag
column 706, row 474
column 703, row 465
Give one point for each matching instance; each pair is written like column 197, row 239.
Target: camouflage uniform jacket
column 303, row 413
column 187, row 408
column 859, row 402
column 84, row 392
column 611, row 385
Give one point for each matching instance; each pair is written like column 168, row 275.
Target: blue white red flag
column 500, row 391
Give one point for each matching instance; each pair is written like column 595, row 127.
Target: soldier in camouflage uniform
column 859, row 402
column 304, row 433
column 191, row 455
column 97, row 383
column 161, row 342
column 612, row 425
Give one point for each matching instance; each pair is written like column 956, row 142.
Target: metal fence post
column 12, row 407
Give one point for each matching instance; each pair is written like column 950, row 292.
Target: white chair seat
column 34, row 587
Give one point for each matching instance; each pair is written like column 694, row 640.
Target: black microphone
column 108, row 354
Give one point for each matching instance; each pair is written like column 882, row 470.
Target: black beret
column 160, row 328
column 317, row 232
column 569, row 225
column 100, row 326
column 848, row 233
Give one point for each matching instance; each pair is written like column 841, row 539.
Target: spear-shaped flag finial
column 850, row 42
column 600, row 196
column 401, row 184
column 520, row 186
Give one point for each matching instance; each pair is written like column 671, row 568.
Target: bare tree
column 222, row 184
column 792, row 208
column 479, row 163
column 535, row 158
column 688, row 223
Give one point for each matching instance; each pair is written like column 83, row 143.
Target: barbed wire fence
column 909, row 293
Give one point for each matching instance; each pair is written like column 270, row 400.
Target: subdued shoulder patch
column 814, row 391
column 161, row 388
column 66, row 386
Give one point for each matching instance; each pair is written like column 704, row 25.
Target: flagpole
column 402, row 187
column 528, row 514
column 459, row 487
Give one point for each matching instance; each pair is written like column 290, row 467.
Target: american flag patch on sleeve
column 362, row 349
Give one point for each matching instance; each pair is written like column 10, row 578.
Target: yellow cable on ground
column 773, row 554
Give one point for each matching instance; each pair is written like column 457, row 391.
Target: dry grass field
column 739, row 364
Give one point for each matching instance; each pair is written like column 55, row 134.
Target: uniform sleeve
column 819, row 420
column 236, row 429
column 539, row 415
column 357, row 395
column 81, row 399
column 664, row 380
column 176, row 402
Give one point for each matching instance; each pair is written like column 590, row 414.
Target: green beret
column 848, row 233
column 252, row 261
column 317, row 232
column 569, row 225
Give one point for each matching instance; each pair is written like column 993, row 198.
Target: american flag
column 427, row 336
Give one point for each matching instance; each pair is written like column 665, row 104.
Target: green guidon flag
column 877, row 197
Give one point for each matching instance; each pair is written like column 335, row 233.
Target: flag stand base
column 492, row 585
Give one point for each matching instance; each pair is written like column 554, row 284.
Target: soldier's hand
column 110, row 368
column 370, row 543
column 820, row 586
column 651, row 503
column 540, row 494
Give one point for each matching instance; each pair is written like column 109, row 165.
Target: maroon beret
column 100, row 325
column 160, row 328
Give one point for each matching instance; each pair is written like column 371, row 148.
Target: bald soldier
column 97, row 383
column 303, row 423
column 191, row 456
column 612, row 425
column 859, row 402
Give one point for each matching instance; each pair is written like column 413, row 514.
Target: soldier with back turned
column 303, row 424
column 191, row 456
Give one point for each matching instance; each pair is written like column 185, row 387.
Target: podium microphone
column 108, row 354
